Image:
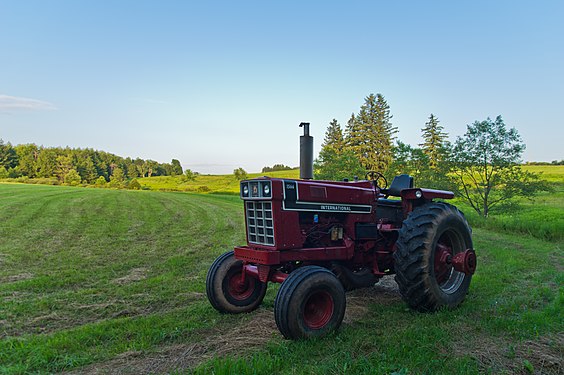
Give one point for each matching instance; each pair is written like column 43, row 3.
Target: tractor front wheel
column 228, row 291
column 310, row 303
column 429, row 238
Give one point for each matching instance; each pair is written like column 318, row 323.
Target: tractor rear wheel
column 227, row 291
column 430, row 234
column 310, row 303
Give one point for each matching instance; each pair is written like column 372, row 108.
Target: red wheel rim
column 241, row 290
column 447, row 278
column 318, row 310
column 442, row 267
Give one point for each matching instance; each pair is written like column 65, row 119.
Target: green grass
column 226, row 184
column 89, row 276
column 541, row 217
column 550, row 173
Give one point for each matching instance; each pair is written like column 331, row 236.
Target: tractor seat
column 403, row 181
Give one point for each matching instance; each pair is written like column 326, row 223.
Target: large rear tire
column 226, row 292
column 310, row 303
column 432, row 232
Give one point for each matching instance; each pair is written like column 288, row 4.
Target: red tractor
column 320, row 239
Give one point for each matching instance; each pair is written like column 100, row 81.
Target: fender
column 427, row 194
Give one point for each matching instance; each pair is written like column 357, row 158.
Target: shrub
column 101, row 181
column 203, row 189
column 134, row 185
column 72, row 178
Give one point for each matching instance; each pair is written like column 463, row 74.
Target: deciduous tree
column 240, row 173
column 486, row 166
column 8, row 156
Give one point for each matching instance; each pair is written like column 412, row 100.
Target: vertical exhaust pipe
column 306, row 153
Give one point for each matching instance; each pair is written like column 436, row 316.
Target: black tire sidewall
column 453, row 223
column 416, row 251
column 294, row 293
column 217, row 282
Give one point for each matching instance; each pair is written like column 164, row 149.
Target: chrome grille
column 260, row 223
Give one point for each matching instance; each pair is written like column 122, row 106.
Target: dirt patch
column 135, row 274
column 542, row 356
column 18, row 277
column 253, row 332
column 385, row 292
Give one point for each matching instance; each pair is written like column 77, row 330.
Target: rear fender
column 427, row 194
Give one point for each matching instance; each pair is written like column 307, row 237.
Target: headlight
column 418, row 194
column 266, row 190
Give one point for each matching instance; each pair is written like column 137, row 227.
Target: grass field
column 110, row 281
column 541, row 217
column 226, row 184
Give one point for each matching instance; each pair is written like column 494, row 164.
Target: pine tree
column 370, row 134
column 434, row 142
column 334, row 137
column 336, row 161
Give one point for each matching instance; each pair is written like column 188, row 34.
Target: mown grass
column 223, row 184
column 540, row 217
column 88, row 275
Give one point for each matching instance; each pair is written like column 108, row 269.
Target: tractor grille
column 260, row 224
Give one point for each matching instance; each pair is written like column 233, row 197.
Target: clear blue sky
column 220, row 85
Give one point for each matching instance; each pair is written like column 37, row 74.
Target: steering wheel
column 377, row 176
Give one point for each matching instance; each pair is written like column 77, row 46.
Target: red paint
column 465, row 262
column 318, row 310
column 241, row 288
column 302, row 234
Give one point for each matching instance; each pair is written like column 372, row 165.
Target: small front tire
column 310, row 303
column 226, row 292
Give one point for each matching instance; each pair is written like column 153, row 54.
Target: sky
column 224, row 84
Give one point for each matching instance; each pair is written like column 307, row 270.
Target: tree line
column 483, row 166
column 75, row 165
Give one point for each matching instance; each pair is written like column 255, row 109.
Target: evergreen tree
column 64, row 165
column 370, row 134
column 434, row 142
column 334, row 137
column 46, row 162
column 335, row 161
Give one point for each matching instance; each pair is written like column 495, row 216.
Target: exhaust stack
column 306, row 153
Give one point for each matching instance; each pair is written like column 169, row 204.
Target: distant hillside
column 207, row 183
